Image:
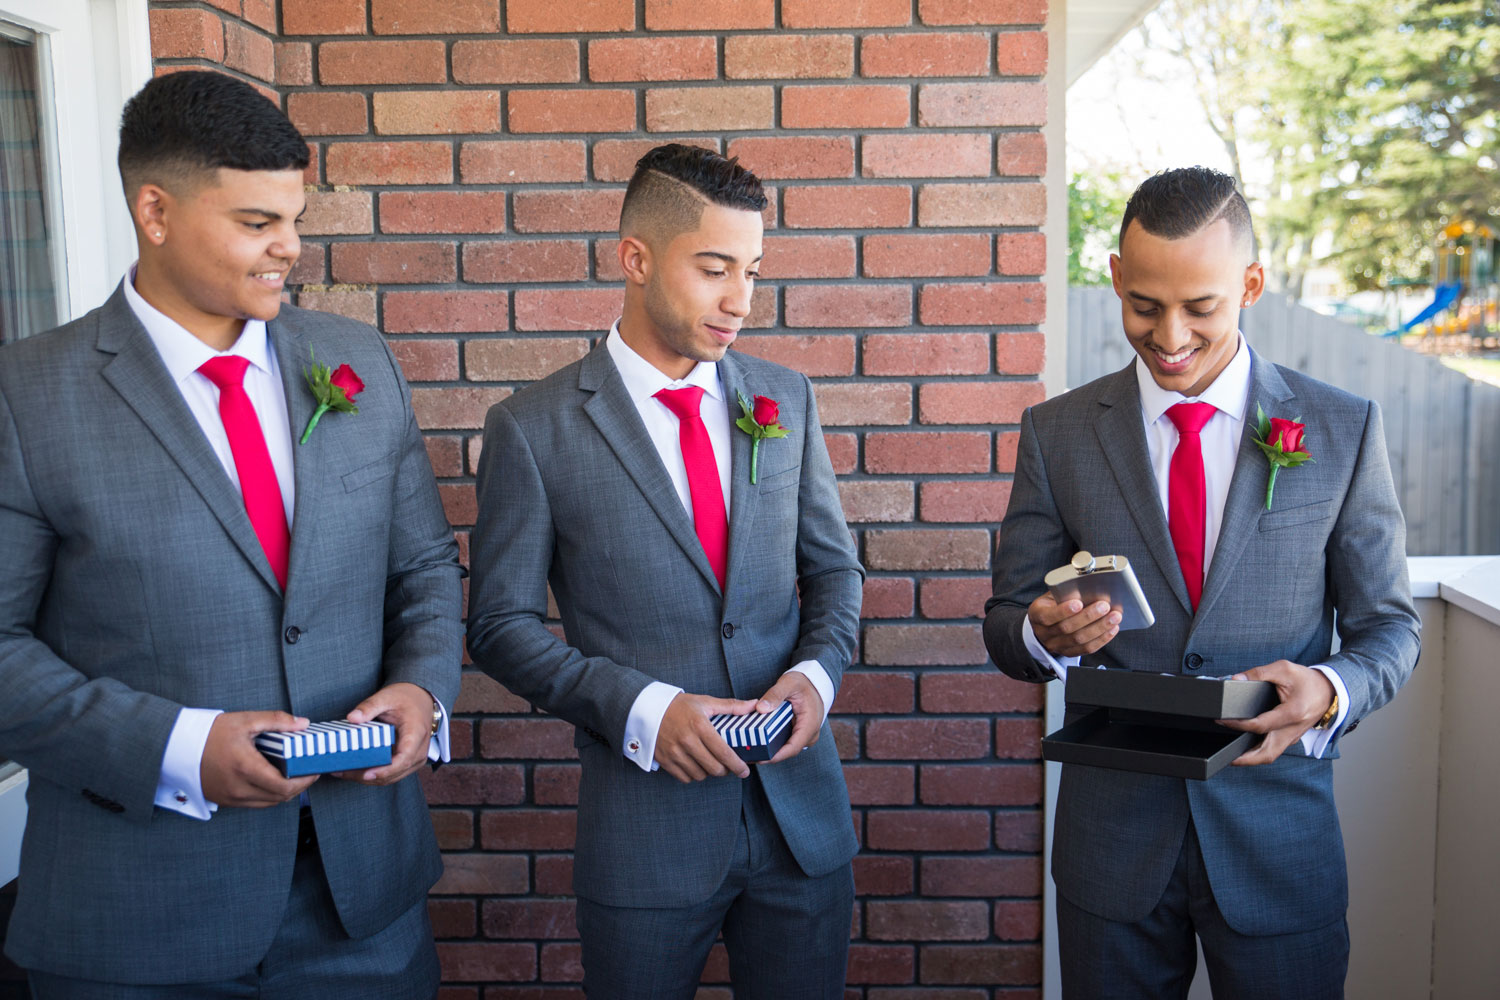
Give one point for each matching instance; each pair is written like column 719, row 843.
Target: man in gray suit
column 1159, row 463
column 610, row 480
column 180, row 576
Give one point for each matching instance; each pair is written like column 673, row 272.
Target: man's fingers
column 685, row 772
column 1269, row 721
column 1091, row 646
column 262, row 784
column 1082, row 631
column 727, row 706
column 1094, row 628
column 804, row 733
column 696, row 760
column 253, row 723
column 714, row 755
column 1268, row 750
column 727, row 758
column 1046, row 611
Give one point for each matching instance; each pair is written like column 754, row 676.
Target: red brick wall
column 469, row 169
column 236, row 36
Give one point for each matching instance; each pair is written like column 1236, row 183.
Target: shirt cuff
column 1040, row 654
column 180, row 786
column 1316, row 741
column 644, row 723
column 814, row 672
column 437, row 747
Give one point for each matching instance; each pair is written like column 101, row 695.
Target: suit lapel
column 293, row 354
column 139, row 376
column 1122, row 437
column 743, row 497
column 1247, row 487
column 619, row 423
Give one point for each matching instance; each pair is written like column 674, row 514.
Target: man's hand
column 234, row 773
column 687, row 746
column 1305, row 696
column 408, row 708
column 1070, row 629
column 807, row 712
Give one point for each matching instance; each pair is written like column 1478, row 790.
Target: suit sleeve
column 423, row 596
column 1032, row 541
column 94, row 735
column 1379, row 629
column 510, row 555
column 829, row 574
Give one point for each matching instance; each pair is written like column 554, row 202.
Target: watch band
column 1330, row 715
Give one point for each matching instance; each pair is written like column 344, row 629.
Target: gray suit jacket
column 572, row 490
column 134, row 585
column 1333, row 541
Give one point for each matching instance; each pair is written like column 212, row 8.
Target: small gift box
column 756, row 737
column 1155, row 723
column 329, row 746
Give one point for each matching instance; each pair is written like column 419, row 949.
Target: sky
column 1120, row 120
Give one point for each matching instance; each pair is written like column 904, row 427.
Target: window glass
column 31, row 273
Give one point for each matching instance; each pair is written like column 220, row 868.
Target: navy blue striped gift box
column 329, row 746
column 756, row 737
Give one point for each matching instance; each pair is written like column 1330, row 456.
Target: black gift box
column 1155, row 723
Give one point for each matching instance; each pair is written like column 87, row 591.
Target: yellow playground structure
column 1466, row 289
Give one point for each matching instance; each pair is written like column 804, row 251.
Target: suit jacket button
column 1194, row 661
column 292, row 634
column 728, row 630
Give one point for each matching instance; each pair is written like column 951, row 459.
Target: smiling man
column 181, row 576
column 677, row 560
column 1159, row 463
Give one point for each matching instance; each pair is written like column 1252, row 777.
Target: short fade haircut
column 1175, row 204
column 673, row 183
column 184, row 125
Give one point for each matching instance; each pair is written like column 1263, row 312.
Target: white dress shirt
column 1230, row 396
column 642, row 381
column 180, row 787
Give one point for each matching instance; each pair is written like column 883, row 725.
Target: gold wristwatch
column 1331, row 714
column 437, row 715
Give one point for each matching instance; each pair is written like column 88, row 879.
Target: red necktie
column 1187, row 495
column 703, row 476
column 252, row 460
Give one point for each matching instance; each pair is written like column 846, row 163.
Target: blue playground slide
column 1443, row 297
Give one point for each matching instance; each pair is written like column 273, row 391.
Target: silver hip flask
column 1089, row 578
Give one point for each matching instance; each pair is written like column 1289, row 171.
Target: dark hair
column 196, row 121
column 1175, row 204
column 672, row 183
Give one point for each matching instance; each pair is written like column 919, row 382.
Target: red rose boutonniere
column 762, row 420
column 1281, row 441
column 334, row 390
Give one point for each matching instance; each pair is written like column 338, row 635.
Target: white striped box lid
column 753, row 730
column 325, row 738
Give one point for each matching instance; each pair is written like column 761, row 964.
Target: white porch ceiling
column 1094, row 26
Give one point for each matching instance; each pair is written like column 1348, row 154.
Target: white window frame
column 100, row 54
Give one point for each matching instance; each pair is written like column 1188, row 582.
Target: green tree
column 1395, row 106
column 1096, row 201
column 1378, row 119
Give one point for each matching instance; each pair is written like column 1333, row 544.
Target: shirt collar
column 1228, row 393
column 644, row 380
column 180, row 350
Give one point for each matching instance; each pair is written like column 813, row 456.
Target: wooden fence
column 1442, row 428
